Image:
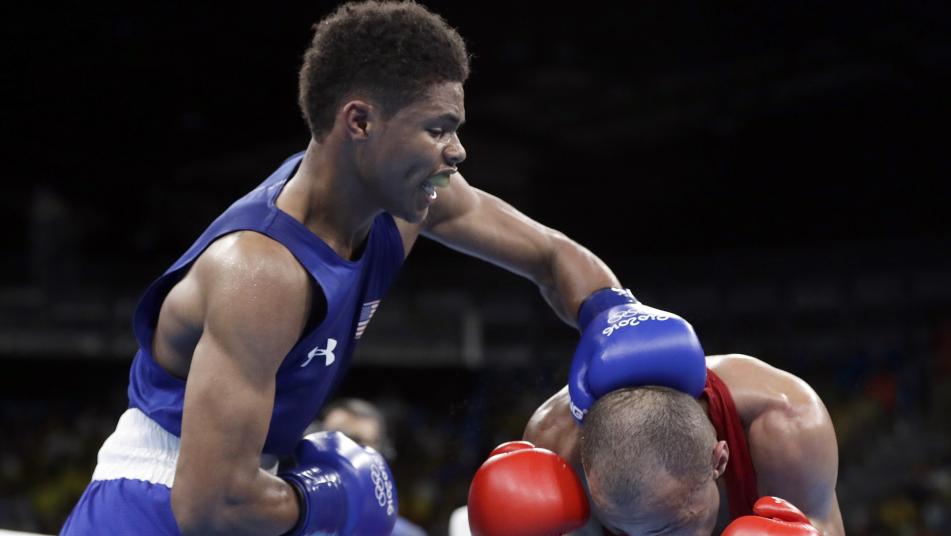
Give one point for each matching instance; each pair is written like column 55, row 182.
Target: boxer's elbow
column 222, row 512
column 198, row 517
column 193, row 517
column 208, row 520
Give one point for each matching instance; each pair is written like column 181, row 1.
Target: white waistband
column 140, row 449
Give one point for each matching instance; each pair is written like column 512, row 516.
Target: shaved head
column 647, row 452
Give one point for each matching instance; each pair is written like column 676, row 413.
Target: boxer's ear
column 721, row 455
column 356, row 116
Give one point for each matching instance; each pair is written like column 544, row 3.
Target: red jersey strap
column 740, row 475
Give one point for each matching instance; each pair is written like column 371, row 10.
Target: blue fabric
column 321, row 357
column 601, row 300
column 122, row 507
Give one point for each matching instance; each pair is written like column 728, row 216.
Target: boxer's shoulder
column 247, row 275
column 250, row 254
column 245, row 270
column 761, row 390
column 249, row 261
column 790, row 434
column 552, row 427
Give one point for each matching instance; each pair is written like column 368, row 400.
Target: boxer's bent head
column 650, row 456
column 389, row 52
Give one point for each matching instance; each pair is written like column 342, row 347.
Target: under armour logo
column 328, row 353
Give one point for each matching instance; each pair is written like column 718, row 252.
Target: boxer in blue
column 242, row 338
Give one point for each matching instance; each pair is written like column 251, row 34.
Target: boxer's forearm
column 831, row 524
column 573, row 274
column 480, row 224
column 264, row 505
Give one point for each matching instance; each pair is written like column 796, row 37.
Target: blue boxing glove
column 343, row 488
column 627, row 344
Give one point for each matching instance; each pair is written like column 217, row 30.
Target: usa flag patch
column 366, row 313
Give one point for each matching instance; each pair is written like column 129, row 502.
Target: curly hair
column 390, row 52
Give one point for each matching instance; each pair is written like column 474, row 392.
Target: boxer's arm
column 552, row 427
column 479, row 224
column 255, row 304
column 796, row 456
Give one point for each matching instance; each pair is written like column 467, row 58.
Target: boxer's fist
column 344, row 488
column 774, row 517
column 525, row 491
column 629, row 344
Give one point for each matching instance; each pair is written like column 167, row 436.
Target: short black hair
column 391, row 52
column 631, row 435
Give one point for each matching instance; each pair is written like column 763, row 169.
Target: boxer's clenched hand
column 525, row 491
column 628, row 344
column 344, row 488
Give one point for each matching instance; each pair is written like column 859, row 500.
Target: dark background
column 777, row 174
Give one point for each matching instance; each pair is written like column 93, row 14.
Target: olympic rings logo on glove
column 383, row 487
column 629, row 316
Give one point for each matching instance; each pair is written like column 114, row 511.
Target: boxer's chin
column 417, row 216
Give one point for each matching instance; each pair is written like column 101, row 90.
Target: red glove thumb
column 774, row 517
column 781, row 509
column 511, row 446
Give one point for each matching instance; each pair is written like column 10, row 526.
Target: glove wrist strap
column 322, row 500
column 601, row 300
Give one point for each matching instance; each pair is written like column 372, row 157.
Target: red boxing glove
column 774, row 517
column 525, row 491
column 510, row 446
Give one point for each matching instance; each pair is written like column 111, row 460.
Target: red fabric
column 740, row 475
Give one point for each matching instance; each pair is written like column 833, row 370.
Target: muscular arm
column 793, row 445
column 255, row 300
column 479, row 224
column 552, row 427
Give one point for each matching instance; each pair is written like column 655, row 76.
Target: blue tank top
column 320, row 358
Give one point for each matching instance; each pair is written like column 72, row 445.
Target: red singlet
column 740, row 475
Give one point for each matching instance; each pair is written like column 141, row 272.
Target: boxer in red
column 654, row 460
column 650, row 437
